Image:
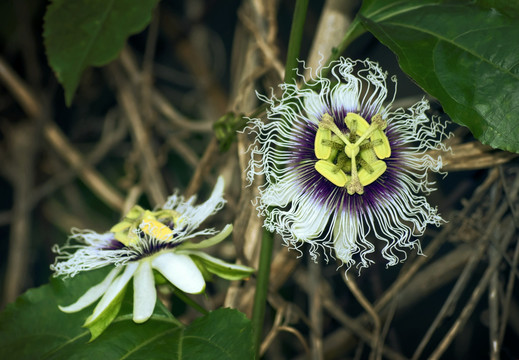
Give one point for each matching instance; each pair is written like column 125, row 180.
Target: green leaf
column 82, row 33
column 222, row 334
column 465, row 56
column 34, row 328
column 507, row 7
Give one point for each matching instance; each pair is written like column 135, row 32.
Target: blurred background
column 142, row 126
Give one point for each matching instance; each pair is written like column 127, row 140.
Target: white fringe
column 331, row 224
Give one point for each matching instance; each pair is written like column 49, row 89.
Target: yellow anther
column 380, row 123
column 327, row 121
column 382, row 149
column 366, row 177
column 322, row 151
column 156, row 229
column 356, row 122
column 331, row 172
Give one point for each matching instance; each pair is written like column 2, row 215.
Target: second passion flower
column 341, row 165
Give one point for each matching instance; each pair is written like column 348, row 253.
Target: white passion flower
column 340, row 165
column 142, row 242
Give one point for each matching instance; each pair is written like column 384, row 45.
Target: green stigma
column 152, row 223
column 352, row 159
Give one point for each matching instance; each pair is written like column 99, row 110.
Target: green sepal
column 208, row 276
column 159, row 278
column 100, row 324
column 219, row 267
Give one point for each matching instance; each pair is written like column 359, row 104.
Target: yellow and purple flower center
column 353, row 158
column 146, row 231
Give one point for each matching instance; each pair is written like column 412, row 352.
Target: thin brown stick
column 349, row 323
column 315, row 309
column 491, row 229
column 450, row 303
column 473, row 301
column 513, row 266
column 435, row 245
column 90, row 177
column 387, row 325
column 20, row 90
column 147, row 67
column 493, row 305
column 110, row 137
column 202, row 170
column 176, row 118
column 413, row 287
column 23, row 144
column 352, row 285
column 154, row 184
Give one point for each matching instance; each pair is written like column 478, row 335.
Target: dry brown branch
column 176, row 118
column 55, row 137
column 473, row 155
column 153, row 181
column 330, row 304
column 268, row 50
column 471, row 304
column 450, row 303
column 335, row 19
column 22, row 146
column 315, row 310
column 507, row 303
column 20, row 90
column 91, row 177
column 493, row 304
column 147, row 68
column 411, row 289
column 375, row 338
column 283, row 318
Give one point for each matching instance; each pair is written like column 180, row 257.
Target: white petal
column 144, row 293
column 346, row 96
column 314, row 107
column 310, row 219
column 94, row 293
column 199, row 213
column 115, row 289
column 181, row 271
column 282, row 192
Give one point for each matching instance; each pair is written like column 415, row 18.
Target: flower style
column 340, row 165
column 142, row 242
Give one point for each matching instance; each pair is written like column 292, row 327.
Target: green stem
column 296, row 37
column 262, row 284
column 190, row 302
